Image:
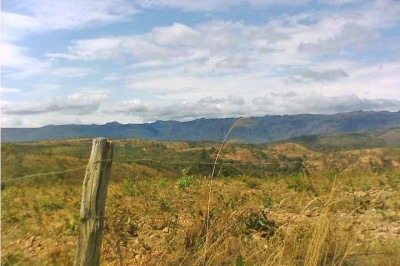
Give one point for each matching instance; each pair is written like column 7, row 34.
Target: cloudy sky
column 135, row 61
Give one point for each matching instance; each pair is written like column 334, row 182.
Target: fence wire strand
column 44, row 174
column 54, row 173
column 212, row 163
column 152, row 161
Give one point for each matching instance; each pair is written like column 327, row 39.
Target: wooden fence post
column 93, row 203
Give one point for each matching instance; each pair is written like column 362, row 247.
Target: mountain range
column 259, row 130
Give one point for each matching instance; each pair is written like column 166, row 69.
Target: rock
column 256, row 237
column 361, row 238
column 308, row 213
column 141, row 251
column 154, row 236
column 383, row 230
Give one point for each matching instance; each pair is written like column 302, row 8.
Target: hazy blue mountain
column 264, row 129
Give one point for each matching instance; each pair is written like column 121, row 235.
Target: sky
column 138, row 61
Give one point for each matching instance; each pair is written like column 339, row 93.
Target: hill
column 350, row 141
column 264, row 129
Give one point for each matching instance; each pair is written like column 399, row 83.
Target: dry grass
column 332, row 218
column 165, row 225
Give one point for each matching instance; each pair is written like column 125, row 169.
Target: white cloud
column 7, row 121
column 317, row 103
column 176, row 34
column 235, row 106
column 88, row 109
column 223, row 44
column 101, row 48
column 128, row 107
column 212, row 5
column 10, row 90
column 341, row 2
column 47, row 15
column 227, row 45
column 351, row 36
column 16, row 63
column 13, row 56
column 73, row 104
column 235, row 58
column 309, row 75
column 69, row 72
column 379, row 14
column 16, row 26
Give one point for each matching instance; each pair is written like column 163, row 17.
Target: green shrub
column 185, row 180
column 73, row 224
column 11, row 259
column 258, row 222
column 267, row 201
column 165, row 205
column 162, row 183
column 297, row 183
column 253, row 184
column 50, row 204
column 394, row 180
column 131, row 187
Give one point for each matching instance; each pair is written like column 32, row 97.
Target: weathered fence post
column 93, row 203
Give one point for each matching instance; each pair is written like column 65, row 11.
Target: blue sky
column 96, row 61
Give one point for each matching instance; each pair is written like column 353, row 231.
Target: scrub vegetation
column 271, row 204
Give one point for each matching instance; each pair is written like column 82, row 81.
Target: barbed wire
column 151, row 160
column 53, row 173
column 212, row 163
column 44, row 174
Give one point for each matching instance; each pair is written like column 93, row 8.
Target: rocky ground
column 157, row 223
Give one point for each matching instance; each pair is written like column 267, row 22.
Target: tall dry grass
column 318, row 242
column 223, row 243
column 241, row 122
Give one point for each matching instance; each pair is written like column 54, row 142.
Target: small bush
column 73, row 224
column 50, row 204
column 162, row 183
column 258, row 222
column 267, row 201
column 394, row 180
column 131, row 187
column 253, row 184
column 165, row 205
column 11, row 259
column 185, row 180
column 297, row 183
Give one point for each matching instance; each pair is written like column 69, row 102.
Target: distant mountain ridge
column 264, row 129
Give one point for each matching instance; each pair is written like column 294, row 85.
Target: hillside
column 268, row 204
column 159, row 158
column 350, row 141
column 264, row 129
